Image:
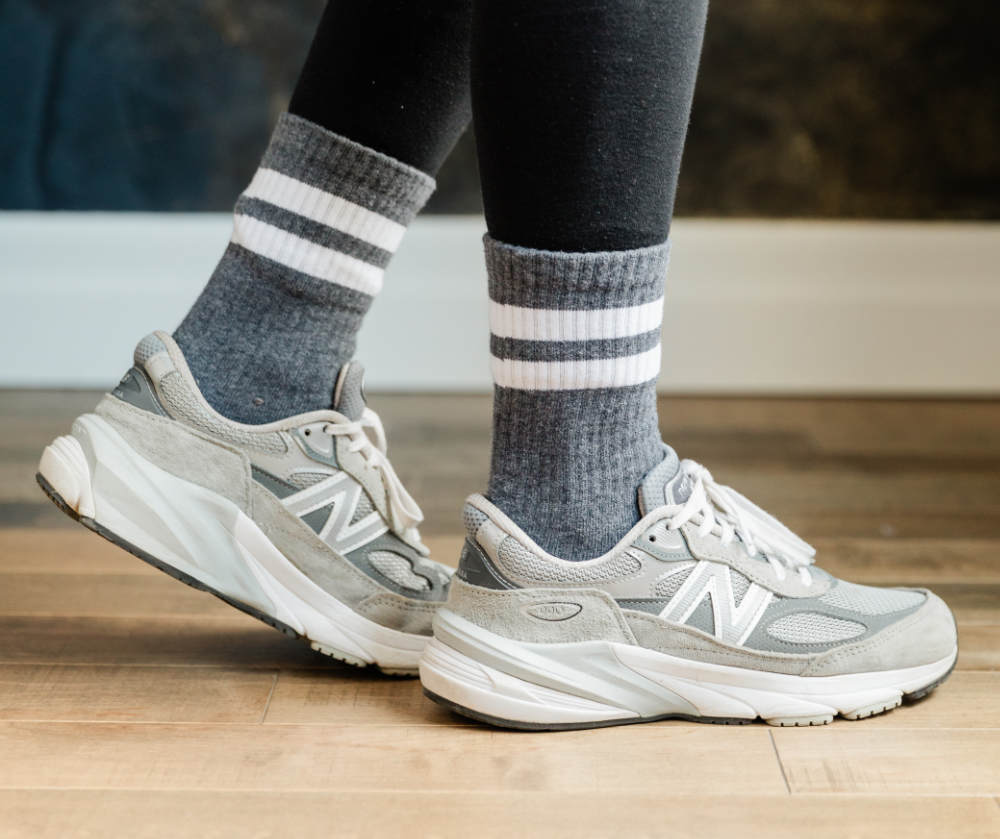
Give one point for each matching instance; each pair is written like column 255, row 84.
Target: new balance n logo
column 732, row 623
column 329, row 507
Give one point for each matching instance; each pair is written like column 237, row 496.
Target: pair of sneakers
column 708, row 609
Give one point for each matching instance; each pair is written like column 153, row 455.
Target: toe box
column 922, row 637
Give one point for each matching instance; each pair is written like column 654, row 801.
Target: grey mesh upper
column 302, row 478
column 472, row 518
column 813, row 628
column 519, row 561
column 869, row 600
column 668, row 586
column 147, row 348
column 740, row 584
column 399, row 569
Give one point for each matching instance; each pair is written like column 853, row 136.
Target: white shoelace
column 721, row 510
column 403, row 510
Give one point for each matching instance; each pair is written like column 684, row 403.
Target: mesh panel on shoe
column 870, row 600
column 740, row 584
column 472, row 519
column 364, row 507
column 304, row 479
column 669, row 586
column 147, row 348
column 521, row 562
column 814, row 628
column 180, row 402
column 398, row 569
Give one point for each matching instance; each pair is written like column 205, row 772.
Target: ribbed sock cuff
column 559, row 280
column 316, row 156
column 327, row 208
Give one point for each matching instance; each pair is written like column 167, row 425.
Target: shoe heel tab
column 476, row 568
column 148, row 347
column 158, row 354
column 486, row 529
column 137, row 389
column 473, row 517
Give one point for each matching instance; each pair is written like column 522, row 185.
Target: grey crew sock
column 312, row 235
column 575, row 345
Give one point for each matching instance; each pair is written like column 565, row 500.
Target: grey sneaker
column 301, row 523
column 708, row 609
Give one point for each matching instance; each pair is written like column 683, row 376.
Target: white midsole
column 209, row 538
column 594, row 681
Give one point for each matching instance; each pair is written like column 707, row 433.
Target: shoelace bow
column 403, row 510
column 723, row 511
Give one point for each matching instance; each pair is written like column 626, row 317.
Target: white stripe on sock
column 508, row 321
column 325, row 208
column 577, row 375
column 302, row 255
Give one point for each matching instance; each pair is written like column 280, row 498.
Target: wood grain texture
column 63, row 814
column 75, row 550
column 236, row 641
column 58, row 692
column 413, row 758
column 115, row 595
column 872, row 761
column 979, row 649
column 911, row 561
column 969, row 699
column 353, row 698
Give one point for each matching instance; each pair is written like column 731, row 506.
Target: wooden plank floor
column 131, row 705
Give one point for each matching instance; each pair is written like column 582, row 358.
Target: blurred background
column 821, row 113
column 818, row 108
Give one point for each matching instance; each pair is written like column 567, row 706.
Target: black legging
column 580, row 106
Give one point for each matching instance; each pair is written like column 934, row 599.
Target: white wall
column 752, row 306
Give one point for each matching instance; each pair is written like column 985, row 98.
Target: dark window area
column 836, row 108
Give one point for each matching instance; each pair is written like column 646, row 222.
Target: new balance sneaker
column 301, row 523
column 708, row 609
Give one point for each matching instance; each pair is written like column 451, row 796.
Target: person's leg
column 693, row 609
column 298, row 518
column 580, row 112
column 381, row 100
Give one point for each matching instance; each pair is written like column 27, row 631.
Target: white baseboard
column 752, row 306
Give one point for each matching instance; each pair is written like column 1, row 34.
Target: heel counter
column 137, row 390
column 475, row 568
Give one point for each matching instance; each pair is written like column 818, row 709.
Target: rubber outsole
column 514, row 725
column 187, row 579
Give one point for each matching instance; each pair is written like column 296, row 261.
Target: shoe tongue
column 665, row 483
column 349, row 392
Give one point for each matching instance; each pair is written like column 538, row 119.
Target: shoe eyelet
column 307, row 432
column 652, row 538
